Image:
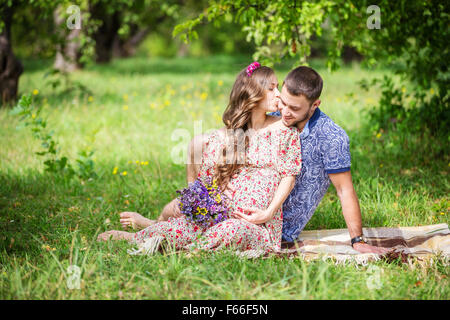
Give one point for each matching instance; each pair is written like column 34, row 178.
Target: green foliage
column 420, row 112
column 53, row 162
column 412, row 39
column 62, row 79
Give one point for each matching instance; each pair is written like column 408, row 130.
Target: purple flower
column 202, row 203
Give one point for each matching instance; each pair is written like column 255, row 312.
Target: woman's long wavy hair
column 246, row 94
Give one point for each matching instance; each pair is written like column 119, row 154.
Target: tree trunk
column 350, row 54
column 183, row 50
column 106, row 33
column 68, row 52
column 127, row 48
column 10, row 67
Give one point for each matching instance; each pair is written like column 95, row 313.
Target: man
column 325, row 158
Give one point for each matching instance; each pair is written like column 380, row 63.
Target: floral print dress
column 271, row 155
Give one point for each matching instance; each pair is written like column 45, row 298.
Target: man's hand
column 254, row 215
column 367, row 248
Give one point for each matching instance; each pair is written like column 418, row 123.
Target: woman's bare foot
column 115, row 235
column 135, row 220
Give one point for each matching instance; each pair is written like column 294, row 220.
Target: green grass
column 48, row 224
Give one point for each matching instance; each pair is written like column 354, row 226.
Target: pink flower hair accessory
column 252, row 67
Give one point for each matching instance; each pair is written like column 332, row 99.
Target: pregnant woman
column 257, row 157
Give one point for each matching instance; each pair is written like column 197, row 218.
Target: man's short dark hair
column 304, row 81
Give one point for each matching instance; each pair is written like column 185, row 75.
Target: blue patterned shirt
column 325, row 149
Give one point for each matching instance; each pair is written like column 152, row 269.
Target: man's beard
column 301, row 120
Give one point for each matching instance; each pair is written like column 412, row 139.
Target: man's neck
column 301, row 124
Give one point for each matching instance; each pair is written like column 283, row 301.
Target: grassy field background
column 136, row 104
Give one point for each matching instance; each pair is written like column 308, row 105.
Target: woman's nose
column 277, row 93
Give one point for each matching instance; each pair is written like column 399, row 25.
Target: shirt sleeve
column 275, row 114
column 289, row 160
column 335, row 149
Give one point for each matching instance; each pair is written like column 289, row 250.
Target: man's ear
column 316, row 104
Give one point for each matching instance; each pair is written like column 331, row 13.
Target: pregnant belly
column 255, row 188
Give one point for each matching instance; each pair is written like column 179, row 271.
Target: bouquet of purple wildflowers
column 203, row 203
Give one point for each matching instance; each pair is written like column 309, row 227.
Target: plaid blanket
column 423, row 242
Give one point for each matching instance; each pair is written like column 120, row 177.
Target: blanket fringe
column 359, row 259
column 148, row 247
column 250, row 254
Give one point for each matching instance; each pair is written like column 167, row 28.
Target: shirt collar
column 310, row 124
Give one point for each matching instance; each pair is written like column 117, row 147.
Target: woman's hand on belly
column 255, row 215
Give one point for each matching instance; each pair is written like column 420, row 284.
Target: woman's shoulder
column 278, row 126
column 215, row 135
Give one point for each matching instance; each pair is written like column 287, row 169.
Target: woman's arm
column 258, row 216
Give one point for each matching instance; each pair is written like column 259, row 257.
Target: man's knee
column 170, row 210
column 195, row 151
column 195, row 154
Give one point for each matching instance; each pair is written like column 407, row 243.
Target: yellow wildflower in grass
column 47, row 247
column 379, row 135
column 35, row 92
column 115, row 170
column 442, row 213
column 432, row 91
column 125, row 97
column 137, row 161
column 91, row 98
column 146, row 163
column 142, row 163
column 381, row 165
column 167, row 103
column 33, row 115
column 403, row 89
column 124, row 173
column 203, row 96
column 220, row 83
column 125, row 107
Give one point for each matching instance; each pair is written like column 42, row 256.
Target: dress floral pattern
column 271, row 156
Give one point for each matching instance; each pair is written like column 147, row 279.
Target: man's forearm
column 351, row 211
